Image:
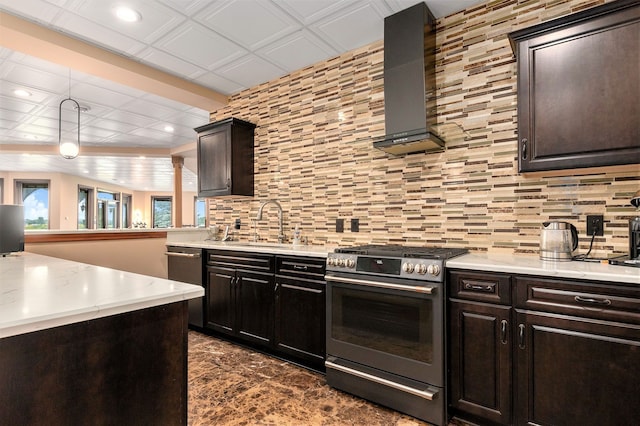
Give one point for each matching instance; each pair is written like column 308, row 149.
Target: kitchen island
column 81, row 344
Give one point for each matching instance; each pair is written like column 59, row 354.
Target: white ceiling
column 225, row 45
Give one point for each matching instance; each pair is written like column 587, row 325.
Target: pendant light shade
column 69, row 143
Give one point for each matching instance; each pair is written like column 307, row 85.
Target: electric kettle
column 558, row 240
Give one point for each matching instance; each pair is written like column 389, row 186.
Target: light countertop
column 268, row 248
column 532, row 265
column 39, row 292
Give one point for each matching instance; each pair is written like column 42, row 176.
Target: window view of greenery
column 161, row 212
column 201, row 218
column 108, row 207
column 35, row 198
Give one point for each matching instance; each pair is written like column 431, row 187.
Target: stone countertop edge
column 531, row 265
column 41, row 292
column 266, row 248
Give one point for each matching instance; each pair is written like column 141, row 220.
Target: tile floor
column 232, row 385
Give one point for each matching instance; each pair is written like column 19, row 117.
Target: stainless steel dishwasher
column 185, row 264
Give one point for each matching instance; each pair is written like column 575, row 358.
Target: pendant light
column 68, row 146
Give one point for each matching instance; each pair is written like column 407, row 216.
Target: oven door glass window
column 397, row 323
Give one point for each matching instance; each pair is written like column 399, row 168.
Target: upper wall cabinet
column 225, row 158
column 579, row 89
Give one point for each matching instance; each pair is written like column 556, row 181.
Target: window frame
column 17, row 195
column 155, row 198
column 197, row 200
column 90, row 206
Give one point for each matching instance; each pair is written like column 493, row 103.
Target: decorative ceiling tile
column 309, row 50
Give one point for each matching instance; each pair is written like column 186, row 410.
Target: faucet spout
column 281, row 236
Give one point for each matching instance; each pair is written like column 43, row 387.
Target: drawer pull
column 300, row 268
column 592, row 301
column 503, row 332
column 477, row 287
column 521, row 336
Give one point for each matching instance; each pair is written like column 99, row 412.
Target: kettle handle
column 574, row 236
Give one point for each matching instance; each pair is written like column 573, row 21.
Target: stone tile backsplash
column 314, row 153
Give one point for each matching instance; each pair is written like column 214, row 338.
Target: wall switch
column 355, row 225
column 595, row 225
column 339, row 225
column 237, row 224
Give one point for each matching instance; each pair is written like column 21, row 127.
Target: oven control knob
column 433, row 270
column 350, row 263
column 331, row 261
column 407, row 267
column 341, row 262
column 421, row 269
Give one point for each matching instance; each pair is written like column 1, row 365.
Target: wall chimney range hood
column 409, row 82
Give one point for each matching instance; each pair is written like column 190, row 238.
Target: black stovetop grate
column 403, row 251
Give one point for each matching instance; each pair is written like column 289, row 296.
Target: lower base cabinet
column 537, row 351
column 300, row 309
column 275, row 302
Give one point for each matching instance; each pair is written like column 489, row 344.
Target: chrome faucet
column 281, row 236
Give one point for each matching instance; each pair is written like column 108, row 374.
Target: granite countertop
column 532, row 265
column 39, row 292
column 258, row 247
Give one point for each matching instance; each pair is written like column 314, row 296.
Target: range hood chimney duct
column 409, row 82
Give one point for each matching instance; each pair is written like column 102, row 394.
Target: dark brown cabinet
column 480, row 351
column 565, row 351
column 225, row 158
column 240, row 295
column 578, row 89
column 300, row 309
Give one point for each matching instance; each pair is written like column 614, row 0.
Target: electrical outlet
column 355, row 225
column 339, row 225
column 595, row 225
column 237, row 224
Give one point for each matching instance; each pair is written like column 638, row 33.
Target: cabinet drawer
column 311, row 268
column 579, row 298
column 241, row 260
column 482, row 287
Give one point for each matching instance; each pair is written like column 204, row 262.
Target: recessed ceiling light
column 127, row 14
column 22, row 93
column 168, row 129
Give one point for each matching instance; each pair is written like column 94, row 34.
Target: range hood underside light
column 423, row 142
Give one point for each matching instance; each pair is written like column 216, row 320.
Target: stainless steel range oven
column 385, row 326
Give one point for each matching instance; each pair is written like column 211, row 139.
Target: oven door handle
column 415, row 289
column 426, row 394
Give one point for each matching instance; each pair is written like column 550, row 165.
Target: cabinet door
column 480, row 360
column 577, row 104
column 254, row 306
column 214, row 162
column 220, row 299
column 573, row 371
column 300, row 319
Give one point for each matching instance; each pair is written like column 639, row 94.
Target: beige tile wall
column 314, row 153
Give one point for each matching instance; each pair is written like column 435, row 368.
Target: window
column 161, row 212
column 34, row 196
column 85, row 207
column 108, row 210
column 200, row 210
column 126, row 210
column 1, row 191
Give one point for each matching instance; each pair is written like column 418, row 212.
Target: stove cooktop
column 441, row 253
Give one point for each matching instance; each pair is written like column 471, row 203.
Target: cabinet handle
column 592, row 301
column 478, row 287
column 301, row 268
column 276, row 287
column 503, row 332
column 524, row 148
column 521, row 336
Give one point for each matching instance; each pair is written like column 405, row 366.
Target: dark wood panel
column 480, row 361
column 123, row 369
column 572, row 371
column 480, row 286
